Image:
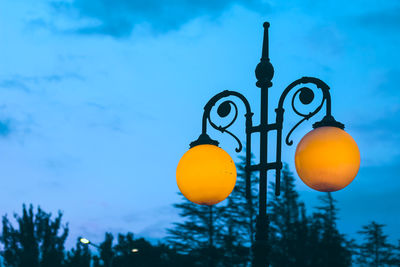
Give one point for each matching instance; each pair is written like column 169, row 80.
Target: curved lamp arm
column 306, row 97
column 223, row 110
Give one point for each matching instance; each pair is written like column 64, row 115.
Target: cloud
column 383, row 19
column 23, row 83
column 5, row 128
column 119, row 17
column 380, row 136
column 14, row 84
column 12, row 126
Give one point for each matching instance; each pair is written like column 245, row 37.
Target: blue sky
column 100, row 99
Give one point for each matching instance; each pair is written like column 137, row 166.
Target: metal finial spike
column 264, row 70
column 265, row 48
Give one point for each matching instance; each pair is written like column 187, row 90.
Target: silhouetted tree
column 137, row 252
column 141, row 253
column 198, row 232
column 38, row 240
column 333, row 248
column 289, row 226
column 123, row 251
column 238, row 217
column 375, row 250
column 397, row 255
column 79, row 256
column 106, row 252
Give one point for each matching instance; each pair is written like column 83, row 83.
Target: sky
column 100, row 99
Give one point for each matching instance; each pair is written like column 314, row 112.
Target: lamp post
column 327, row 158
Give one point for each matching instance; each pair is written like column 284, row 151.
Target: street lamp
column 86, row 241
column 327, row 158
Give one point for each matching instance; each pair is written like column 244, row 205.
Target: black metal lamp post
column 264, row 74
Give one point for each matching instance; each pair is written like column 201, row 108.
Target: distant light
column 84, row 241
column 135, row 250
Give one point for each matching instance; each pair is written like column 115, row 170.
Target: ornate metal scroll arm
column 223, row 110
column 306, row 96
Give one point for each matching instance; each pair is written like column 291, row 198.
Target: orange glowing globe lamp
column 206, row 174
column 327, row 159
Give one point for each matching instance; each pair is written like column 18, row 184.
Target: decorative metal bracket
column 223, row 111
column 306, row 97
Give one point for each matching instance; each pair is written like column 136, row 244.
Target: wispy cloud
column 5, row 128
column 23, row 83
column 382, row 19
column 119, row 17
column 12, row 83
column 379, row 123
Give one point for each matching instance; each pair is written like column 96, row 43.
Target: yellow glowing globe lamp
column 327, row 159
column 206, row 174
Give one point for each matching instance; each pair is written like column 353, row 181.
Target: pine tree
column 396, row 260
column 375, row 250
column 239, row 219
column 38, row 240
column 288, row 227
column 333, row 248
column 198, row 232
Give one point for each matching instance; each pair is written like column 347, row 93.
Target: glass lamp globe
column 327, row 159
column 206, row 174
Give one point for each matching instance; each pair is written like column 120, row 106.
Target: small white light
column 84, row 241
column 135, row 250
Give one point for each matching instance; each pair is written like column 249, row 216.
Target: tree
column 196, row 234
column 38, row 241
column 333, row 248
column 106, row 252
column 141, row 253
column 137, row 252
column 396, row 260
column 79, row 256
column 288, row 227
column 123, row 251
column 375, row 250
column 238, row 218
column 299, row 240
